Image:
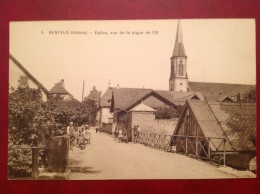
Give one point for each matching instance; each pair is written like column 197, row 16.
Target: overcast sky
column 218, row 51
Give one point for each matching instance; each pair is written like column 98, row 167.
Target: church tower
column 178, row 79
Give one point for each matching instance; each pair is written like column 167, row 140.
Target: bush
column 29, row 114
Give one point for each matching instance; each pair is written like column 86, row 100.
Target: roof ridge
column 222, row 83
column 28, row 73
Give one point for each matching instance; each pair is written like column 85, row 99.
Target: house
column 59, row 91
column 19, row 76
column 211, row 129
column 94, row 95
column 220, row 91
column 118, row 105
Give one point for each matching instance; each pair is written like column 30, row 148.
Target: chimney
column 117, row 86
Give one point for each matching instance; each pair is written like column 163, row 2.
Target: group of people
column 121, row 134
column 82, row 136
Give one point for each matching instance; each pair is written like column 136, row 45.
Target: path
column 105, row 158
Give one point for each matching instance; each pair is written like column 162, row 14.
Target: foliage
column 29, row 114
column 250, row 96
column 59, row 113
column 168, row 112
column 123, row 118
column 23, row 106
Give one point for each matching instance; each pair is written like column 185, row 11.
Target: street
column 106, row 158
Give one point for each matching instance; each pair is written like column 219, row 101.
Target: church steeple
column 178, row 77
column 179, row 50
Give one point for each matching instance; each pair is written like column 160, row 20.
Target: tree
column 168, row 112
column 28, row 113
column 250, row 96
column 23, row 106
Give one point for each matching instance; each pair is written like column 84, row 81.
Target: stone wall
column 148, row 123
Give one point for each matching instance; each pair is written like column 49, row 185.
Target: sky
column 133, row 53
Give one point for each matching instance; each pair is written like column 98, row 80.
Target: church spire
column 179, row 50
column 178, row 78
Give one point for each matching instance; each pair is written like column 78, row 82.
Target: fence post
column 35, row 162
column 196, row 142
column 224, row 147
column 186, row 145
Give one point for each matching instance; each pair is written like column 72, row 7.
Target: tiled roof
column 105, row 100
column 59, row 88
column 127, row 97
column 238, row 121
column 93, row 95
column 208, row 123
column 212, row 91
column 235, row 121
column 179, row 98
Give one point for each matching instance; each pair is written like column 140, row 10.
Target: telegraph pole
column 83, row 90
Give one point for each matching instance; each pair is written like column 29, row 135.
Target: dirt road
column 105, row 158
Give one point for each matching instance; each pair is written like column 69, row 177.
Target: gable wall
column 189, row 126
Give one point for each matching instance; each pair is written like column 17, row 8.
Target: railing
column 35, row 152
column 207, row 148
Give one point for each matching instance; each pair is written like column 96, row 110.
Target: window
column 181, row 72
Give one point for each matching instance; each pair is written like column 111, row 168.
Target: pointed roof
column 142, row 108
column 234, row 121
column 93, row 95
column 59, row 88
column 179, row 50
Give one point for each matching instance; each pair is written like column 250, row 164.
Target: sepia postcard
column 132, row 99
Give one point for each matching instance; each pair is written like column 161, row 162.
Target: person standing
column 70, row 132
column 120, row 135
column 134, row 134
column 138, row 132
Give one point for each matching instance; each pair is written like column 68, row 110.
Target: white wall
column 106, row 115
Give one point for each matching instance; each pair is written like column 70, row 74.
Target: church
column 117, row 103
column 211, row 91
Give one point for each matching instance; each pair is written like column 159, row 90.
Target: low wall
column 158, row 126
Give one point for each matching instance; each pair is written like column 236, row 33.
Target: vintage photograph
column 132, row 99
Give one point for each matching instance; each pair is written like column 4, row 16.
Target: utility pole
column 83, row 90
